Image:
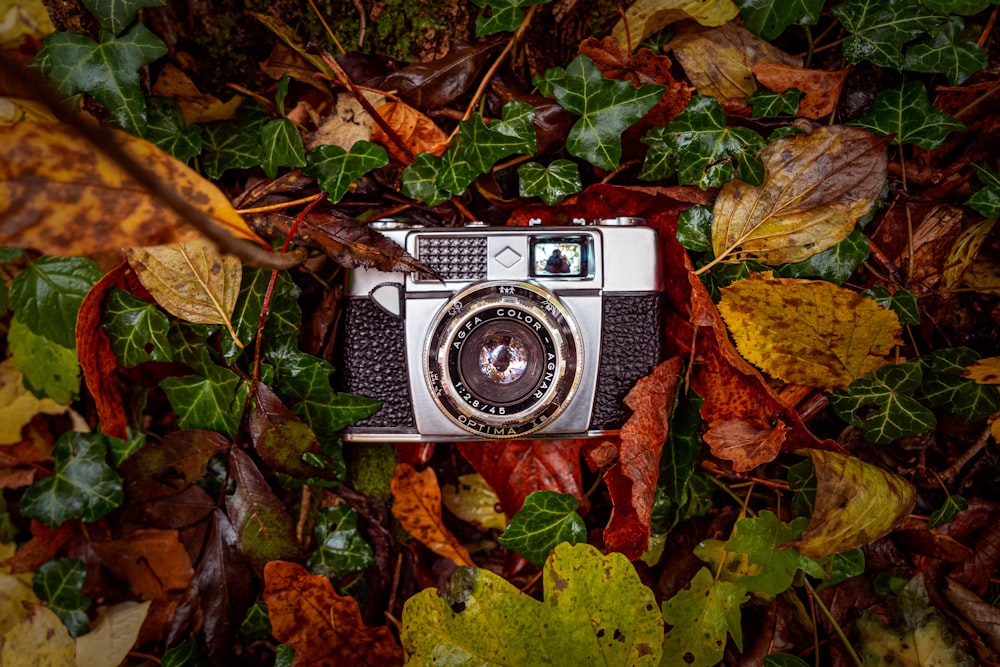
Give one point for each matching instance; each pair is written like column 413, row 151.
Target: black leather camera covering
column 373, row 362
column 632, row 343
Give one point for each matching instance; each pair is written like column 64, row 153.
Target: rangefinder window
column 561, row 257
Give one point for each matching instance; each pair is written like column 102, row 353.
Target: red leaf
column 323, row 627
column 632, row 480
column 162, row 468
column 43, row 546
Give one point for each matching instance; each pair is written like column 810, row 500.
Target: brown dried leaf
column 153, row 562
column 745, row 445
column 820, row 89
column 18, row 405
column 197, row 107
column 983, row 616
column 964, row 253
column 816, row 187
column 417, row 507
column 434, row 84
column 348, row 124
column 59, row 196
column 647, row 17
column 162, row 468
column 419, row 133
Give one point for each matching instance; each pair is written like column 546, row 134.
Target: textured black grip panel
column 632, row 342
column 373, row 362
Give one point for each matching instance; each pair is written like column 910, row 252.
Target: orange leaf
column 153, row 562
column 417, row 507
column 418, row 132
column 743, row 443
column 323, row 627
column 820, row 89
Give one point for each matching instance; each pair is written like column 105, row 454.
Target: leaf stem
column 281, row 206
column 327, row 27
column 836, row 626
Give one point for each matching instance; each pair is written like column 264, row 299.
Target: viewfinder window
column 560, row 257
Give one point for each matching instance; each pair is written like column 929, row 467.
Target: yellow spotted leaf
column 60, row 196
column 984, row 371
column 816, row 187
column 416, row 504
column 38, row 640
column 18, row 405
column 474, row 501
column 964, row 253
column 856, row 503
column 808, row 332
column 647, row 17
column 191, row 280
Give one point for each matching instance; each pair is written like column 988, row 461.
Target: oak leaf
column 90, row 204
column 324, row 628
column 808, row 332
column 417, row 507
column 815, row 188
column 820, row 89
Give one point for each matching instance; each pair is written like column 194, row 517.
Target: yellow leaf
column 112, row 636
column 196, row 106
column 816, row 187
column 60, row 196
column 718, row 60
column 14, row 110
column 856, row 503
column 474, row 501
column 190, row 280
column 963, row 253
column 647, row 17
column 38, row 640
column 14, row 591
column 416, row 504
column 20, row 19
column 808, row 332
column 984, row 371
column 18, row 405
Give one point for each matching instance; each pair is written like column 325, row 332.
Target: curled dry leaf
column 815, row 188
column 417, row 507
column 434, row 84
column 113, row 635
column 743, row 443
column 59, row 196
column 856, row 503
column 647, row 17
column 348, row 124
column 964, row 253
column 820, row 89
column 324, row 628
column 808, row 332
column 196, row 106
column 191, row 280
column 418, row 132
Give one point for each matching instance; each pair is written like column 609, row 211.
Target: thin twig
column 951, row 472
column 836, row 626
column 280, row 206
column 327, row 27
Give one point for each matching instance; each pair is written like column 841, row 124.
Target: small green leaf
column 944, row 514
column 49, row 369
column 420, row 180
column 905, row 112
column 835, row 264
column 607, row 107
column 336, row 169
column 232, row 144
column 115, row 15
column 802, row 480
column 10, row 254
column 506, row 15
column 455, row 171
column 945, row 52
column 768, row 19
column 82, row 486
column 701, row 616
column 59, row 583
column 257, row 624
column 284, row 317
column 546, row 519
column 694, row 228
column 944, row 387
column 119, row 450
column 773, row 568
column 213, row 401
column 551, row 184
column 767, row 104
column 546, row 82
column 842, row 566
column 892, row 411
column 107, row 70
column 281, row 145
column 903, row 303
column 166, row 128
column 485, row 145
column 986, row 201
column 185, row 654
column 880, row 28
column 47, row 295
column 340, row 547
column 138, row 330
column 281, row 93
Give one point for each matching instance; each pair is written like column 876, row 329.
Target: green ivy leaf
column 116, row 15
column 701, row 616
column 768, row 19
column 59, row 583
column 546, row 519
column 82, row 486
column 485, row 145
column 903, row 303
column 340, row 547
column 335, row 169
column 185, row 654
column 773, row 569
column 702, row 148
column 947, row 53
column 802, row 480
column 551, row 184
column 834, row 265
column 677, row 493
column 962, row 7
column 284, row 318
column 944, row 387
column 420, row 180
column 165, row 127
column 546, row 83
column 694, row 228
column 257, row 624
column 281, row 145
column 880, row 28
column 49, row 369
column 138, row 330
column 506, row 15
column 986, row 201
column 767, row 104
column 888, row 394
column 842, row 566
column 944, row 514
column 905, row 112
column 213, row 401
column 232, row 144
column 607, row 107
column 119, row 450
column 47, row 295
column 107, row 70
column 455, row 171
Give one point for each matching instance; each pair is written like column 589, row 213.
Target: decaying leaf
column 40, row 640
column 324, row 628
column 417, row 507
column 718, row 60
column 419, row 133
column 647, row 17
column 434, row 84
column 743, row 443
column 820, row 89
column 153, row 562
column 474, row 501
column 964, row 252
column 197, row 107
column 856, row 503
column 348, row 124
column 58, row 195
column 984, row 371
column 816, row 187
column 112, row 636
column 808, row 332
column 18, row 405
column 191, row 280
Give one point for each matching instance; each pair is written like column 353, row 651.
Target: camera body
column 526, row 331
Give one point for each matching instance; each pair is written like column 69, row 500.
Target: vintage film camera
column 533, row 331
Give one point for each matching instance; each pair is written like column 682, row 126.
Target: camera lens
column 501, row 364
